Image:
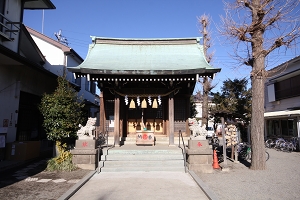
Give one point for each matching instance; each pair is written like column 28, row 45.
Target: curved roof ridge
column 165, row 41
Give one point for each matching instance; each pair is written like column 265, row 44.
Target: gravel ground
column 33, row 182
column 280, row 180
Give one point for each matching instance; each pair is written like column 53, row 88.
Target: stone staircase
column 158, row 140
column 130, row 157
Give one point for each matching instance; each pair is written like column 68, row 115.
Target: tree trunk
column 205, row 102
column 55, row 151
column 258, row 76
column 258, row 161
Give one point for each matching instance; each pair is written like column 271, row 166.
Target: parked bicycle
column 295, row 141
column 281, row 144
column 244, row 152
column 214, row 140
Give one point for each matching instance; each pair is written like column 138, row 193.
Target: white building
column 23, row 79
column 198, row 103
column 29, row 66
column 282, row 100
column 58, row 57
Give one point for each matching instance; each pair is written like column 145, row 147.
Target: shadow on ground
column 219, row 150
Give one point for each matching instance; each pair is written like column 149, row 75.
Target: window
column 287, row 88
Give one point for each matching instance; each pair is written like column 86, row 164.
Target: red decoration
column 84, row 144
column 199, row 144
column 145, row 136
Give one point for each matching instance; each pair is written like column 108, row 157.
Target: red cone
column 215, row 161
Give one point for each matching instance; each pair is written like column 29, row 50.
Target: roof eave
column 144, row 72
column 38, row 4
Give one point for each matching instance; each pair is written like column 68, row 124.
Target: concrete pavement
column 139, row 185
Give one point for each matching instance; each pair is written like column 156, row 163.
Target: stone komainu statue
column 196, row 129
column 86, row 132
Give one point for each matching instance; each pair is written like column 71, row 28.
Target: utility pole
column 43, row 22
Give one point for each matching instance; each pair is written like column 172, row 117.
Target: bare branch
column 204, row 21
column 284, row 40
column 275, row 16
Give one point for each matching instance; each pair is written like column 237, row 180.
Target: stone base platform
column 85, row 154
column 199, row 156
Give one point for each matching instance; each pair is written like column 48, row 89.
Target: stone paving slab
column 140, row 185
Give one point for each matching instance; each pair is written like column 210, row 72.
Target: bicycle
column 244, row 152
column 215, row 140
column 284, row 145
column 270, row 143
column 295, row 142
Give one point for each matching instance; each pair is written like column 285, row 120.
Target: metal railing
column 8, row 28
column 183, row 149
column 103, row 138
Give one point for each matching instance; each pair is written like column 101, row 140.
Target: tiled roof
column 121, row 55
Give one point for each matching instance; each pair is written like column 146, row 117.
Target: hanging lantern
column 154, row 105
column 132, row 104
column 144, row 104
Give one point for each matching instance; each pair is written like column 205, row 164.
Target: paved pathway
column 23, row 175
column 140, row 185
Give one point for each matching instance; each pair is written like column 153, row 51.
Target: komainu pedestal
column 85, row 154
column 199, row 156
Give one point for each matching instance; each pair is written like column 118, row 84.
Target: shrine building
column 145, row 84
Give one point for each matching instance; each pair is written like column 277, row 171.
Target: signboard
column 145, row 137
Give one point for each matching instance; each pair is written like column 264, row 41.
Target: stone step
column 141, row 157
column 158, row 140
column 140, row 164
column 131, row 157
column 143, row 169
column 142, row 152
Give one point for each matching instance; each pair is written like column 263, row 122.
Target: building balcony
column 8, row 29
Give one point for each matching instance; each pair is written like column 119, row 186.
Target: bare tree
column 259, row 27
column 204, row 21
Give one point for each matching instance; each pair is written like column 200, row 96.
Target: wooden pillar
column 122, row 105
column 171, row 119
column 165, row 117
column 117, row 121
column 188, row 114
column 102, row 114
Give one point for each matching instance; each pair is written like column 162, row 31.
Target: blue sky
column 141, row 19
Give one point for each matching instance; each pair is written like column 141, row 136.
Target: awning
column 283, row 113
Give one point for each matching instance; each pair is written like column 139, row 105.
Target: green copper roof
column 144, row 56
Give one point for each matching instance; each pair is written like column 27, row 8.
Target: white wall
column 57, row 61
column 14, row 79
column 9, row 101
